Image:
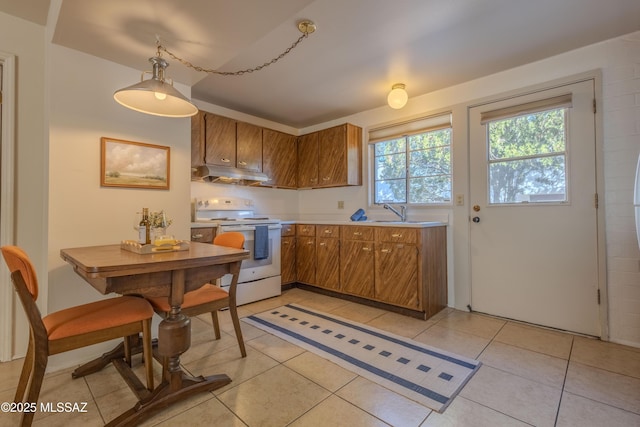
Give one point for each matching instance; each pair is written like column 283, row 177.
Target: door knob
column 476, row 219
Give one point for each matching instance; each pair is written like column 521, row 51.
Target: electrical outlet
column 340, row 204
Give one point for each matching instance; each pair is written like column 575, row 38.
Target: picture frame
column 132, row 164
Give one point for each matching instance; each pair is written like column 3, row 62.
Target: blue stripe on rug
column 394, row 340
column 370, row 368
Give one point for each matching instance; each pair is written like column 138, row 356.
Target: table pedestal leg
column 174, row 338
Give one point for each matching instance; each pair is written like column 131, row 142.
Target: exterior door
column 533, row 209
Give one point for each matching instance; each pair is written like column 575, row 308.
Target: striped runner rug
column 425, row 374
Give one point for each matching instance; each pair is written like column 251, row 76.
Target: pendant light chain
column 305, row 27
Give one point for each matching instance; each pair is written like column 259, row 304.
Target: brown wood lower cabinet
column 203, row 234
column 399, row 267
column 288, row 254
column 328, row 257
column 357, row 261
column 306, row 253
column 396, row 274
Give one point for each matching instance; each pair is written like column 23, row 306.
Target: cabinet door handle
column 357, row 233
column 286, row 242
column 196, row 236
column 366, row 249
column 326, row 178
column 328, row 231
column 385, row 251
column 310, row 242
column 242, row 163
column 396, row 235
column 225, row 160
column 323, row 244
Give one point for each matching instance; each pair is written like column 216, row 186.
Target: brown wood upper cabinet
column 219, row 140
column 330, row 157
column 222, row 141
column 248, row 146
column 279, row 158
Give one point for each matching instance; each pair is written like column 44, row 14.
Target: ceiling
column 361, row 47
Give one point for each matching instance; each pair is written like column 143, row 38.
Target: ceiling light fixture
column 158, row 97
column 398, row 97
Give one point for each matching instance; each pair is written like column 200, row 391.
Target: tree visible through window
column 527, row 158
column 414, row 169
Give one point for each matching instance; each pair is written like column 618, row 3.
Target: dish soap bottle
column 144, row 231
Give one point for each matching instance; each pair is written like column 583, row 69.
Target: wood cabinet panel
column 332, row 163
column 306, row 259
column 220, row 140
column 434, row 268
column 197, row 140
column 328, row 231
column 357, row 267
column 397, row 266
column 203, row 234
column 308, row 160
column 279, row 159
column 288, row 230
column 248, row 146
column 328, row 262
column 396, row 275
column 306, row 230
column 330, row 157
column 397, row 235
column 357, row 232
column 288, row 259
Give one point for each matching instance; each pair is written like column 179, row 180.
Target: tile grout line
column 566, row 372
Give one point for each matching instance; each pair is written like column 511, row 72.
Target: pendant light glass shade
column 398, row 97
column 156, row 96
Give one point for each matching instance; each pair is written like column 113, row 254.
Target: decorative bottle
column 144, row 231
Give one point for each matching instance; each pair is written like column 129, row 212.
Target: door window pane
column 527, row 158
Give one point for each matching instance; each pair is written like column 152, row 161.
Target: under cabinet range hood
column 227, row 175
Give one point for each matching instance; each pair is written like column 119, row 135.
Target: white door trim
column 7, row 191
column 596, row 76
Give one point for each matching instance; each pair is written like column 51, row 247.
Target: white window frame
column 406, row 129
column 555, row 103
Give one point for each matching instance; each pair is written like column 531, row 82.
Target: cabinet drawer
column 306, row 230
column 288, row 230
column 357, row 232
column 397, row 234
column 203, row 234
column 328, row 230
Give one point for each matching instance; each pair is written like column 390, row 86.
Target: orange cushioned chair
column 71, row 328
column 210, row 298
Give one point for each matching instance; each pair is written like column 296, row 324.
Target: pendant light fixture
column 398, row 97
column 158, row 97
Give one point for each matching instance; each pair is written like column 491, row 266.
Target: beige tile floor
column 529, row 376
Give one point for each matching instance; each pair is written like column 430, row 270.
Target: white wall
column 81, row 212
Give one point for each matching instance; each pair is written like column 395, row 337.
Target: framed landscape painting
column 133, row 164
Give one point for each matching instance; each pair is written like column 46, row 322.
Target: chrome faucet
column 402, row 214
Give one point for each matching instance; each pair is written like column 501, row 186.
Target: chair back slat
column 17, row 259
column 41, row 340
column 232, row 239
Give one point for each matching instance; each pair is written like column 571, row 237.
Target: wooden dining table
column 111, row 269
